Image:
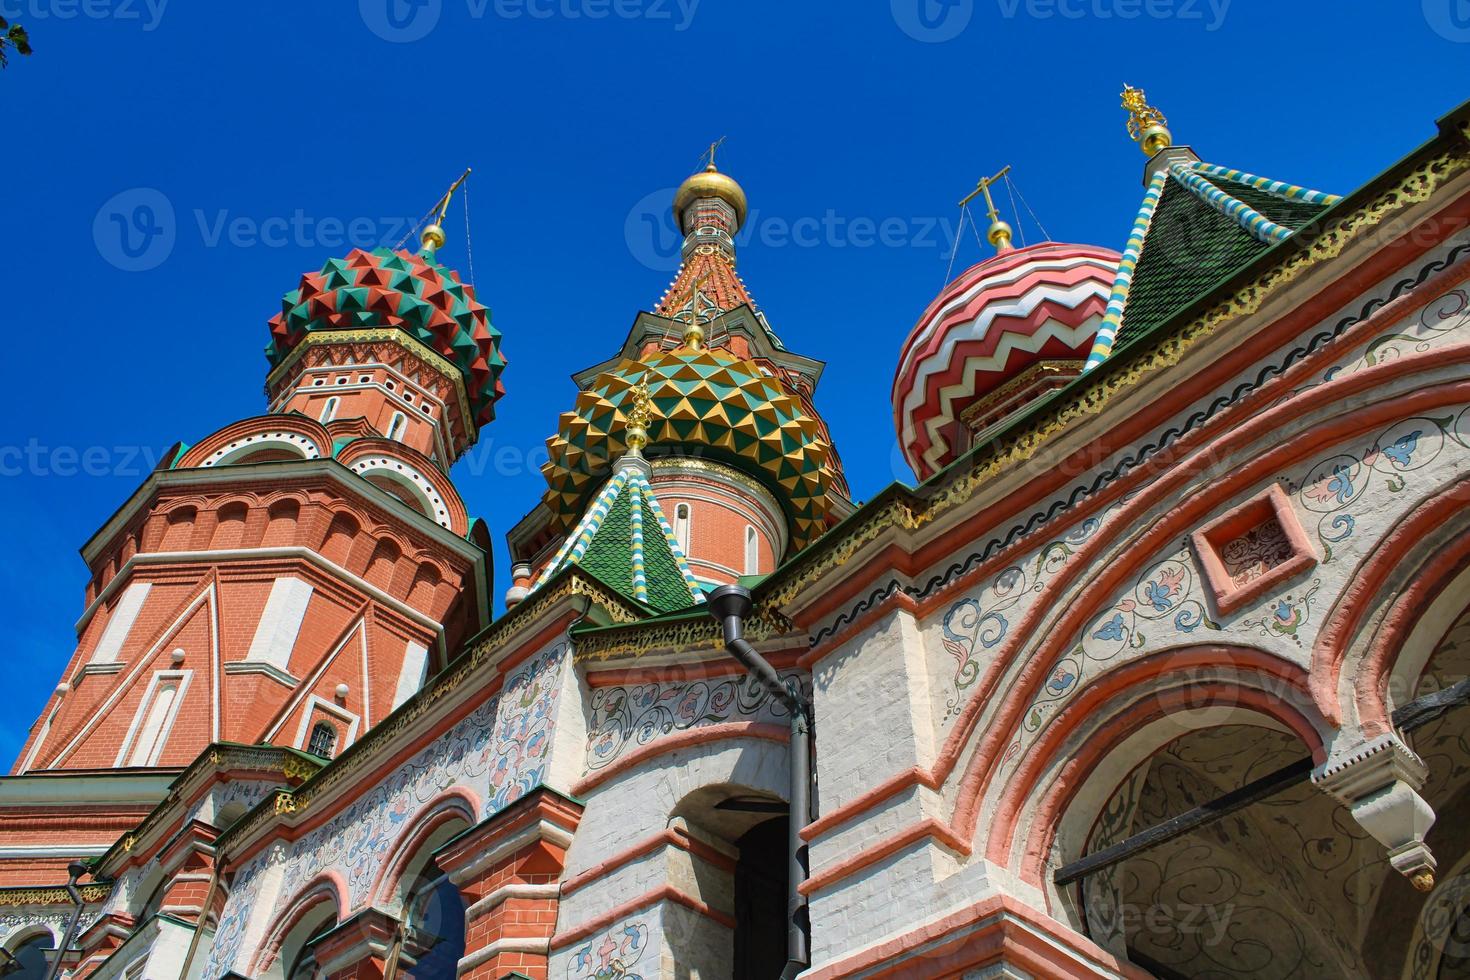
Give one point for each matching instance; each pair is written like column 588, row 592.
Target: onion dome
column 709, row 402
column 1019, row 323
column 710, row 183
column 414, row 293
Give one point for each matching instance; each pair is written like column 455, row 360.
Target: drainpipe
column 729, row 605
column 76, row 869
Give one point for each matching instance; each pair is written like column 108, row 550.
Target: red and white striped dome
column 997, row 319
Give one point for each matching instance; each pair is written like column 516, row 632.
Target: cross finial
column 433, row 234
column 999, row 233
column 1146, row 124
column 709, row 155
column 638, row 414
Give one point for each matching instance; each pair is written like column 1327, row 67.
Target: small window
column 408, row 397
column 390, row 384
column 323, row 740
column 395, row 426
column 681, row 527
column 364, row 379
column 752, row 551
column 329, row 411
column 342, row 380
column 319, row 382
column 425, row 408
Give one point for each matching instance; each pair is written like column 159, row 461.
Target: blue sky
column 257, row 146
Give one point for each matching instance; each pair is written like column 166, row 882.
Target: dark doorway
column 760, row 902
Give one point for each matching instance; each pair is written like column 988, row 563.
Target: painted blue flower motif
column 1158, row 595
column 1340, row 486
column 1061, row 679
column 1403, row 447
column 1112, row 629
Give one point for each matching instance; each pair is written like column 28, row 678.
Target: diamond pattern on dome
column 386, row 288
column 701, row 399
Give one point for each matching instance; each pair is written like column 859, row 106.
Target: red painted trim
column 664, row 893
column 982, row 942
column 681, row 740
column 326, row 886
column 892, row 786
column 457, row 802
column 668, row 837
column 1368, row 578
column 889, row 846
column 1372, row 676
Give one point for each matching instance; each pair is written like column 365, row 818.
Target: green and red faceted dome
column 997, row 321
column 414, row 293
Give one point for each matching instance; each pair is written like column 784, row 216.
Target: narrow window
column 323, row 740
column 395, row 426
column 329, row 411
column 752, row 551
column 681, row 527
column 158, row 715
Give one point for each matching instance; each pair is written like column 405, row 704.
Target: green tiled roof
column 625, row 542
column 1191, row 246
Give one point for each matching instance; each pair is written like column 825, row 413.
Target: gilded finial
column 433, row 233
column 1146, row 125
column 710, row 153
column 999, row 233
column 638, row 413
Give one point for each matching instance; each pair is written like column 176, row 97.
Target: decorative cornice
column 55, row 895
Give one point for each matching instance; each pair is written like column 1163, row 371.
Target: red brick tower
column 294, row 577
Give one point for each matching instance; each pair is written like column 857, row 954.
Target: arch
column 179, row 528
column 426, row 579
column 28, row 945
column 291, row 436
column 229, row 528
column 28, row 931
column 1189, row 510
column 1430, row 519
column 385, row 557
column 282, row 517
column 341, row 532
column 446, row 815
column 1112, row 706
column 292, row 926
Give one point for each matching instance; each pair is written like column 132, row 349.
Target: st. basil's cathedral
column 1159, row 671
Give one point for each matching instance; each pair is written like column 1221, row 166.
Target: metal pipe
column 76, row 869
column 729, row 605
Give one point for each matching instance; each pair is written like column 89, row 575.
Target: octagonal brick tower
column 294, row 577
column 739, row 460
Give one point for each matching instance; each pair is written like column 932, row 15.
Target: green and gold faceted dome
column 705, row 402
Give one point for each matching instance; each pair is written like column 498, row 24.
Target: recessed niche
column 1251, row 549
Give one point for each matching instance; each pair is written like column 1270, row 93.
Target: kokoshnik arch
column 1159, row 671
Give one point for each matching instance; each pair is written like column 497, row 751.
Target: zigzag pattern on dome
column 987, row 326
column 387, row 288
column 705, row 400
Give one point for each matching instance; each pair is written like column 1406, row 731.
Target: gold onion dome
column 709, row 182
column 715, row 404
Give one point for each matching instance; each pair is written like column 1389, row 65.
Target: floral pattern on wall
column 500, row 751
column 610, row 956
column 1352, row 490
column 636, row 715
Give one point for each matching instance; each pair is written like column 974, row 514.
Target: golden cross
column 1141, row 115
column 983, row 187
column 443, row 205
column 709, row 154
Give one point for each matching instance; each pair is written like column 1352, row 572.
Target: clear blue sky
column 274, row 131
